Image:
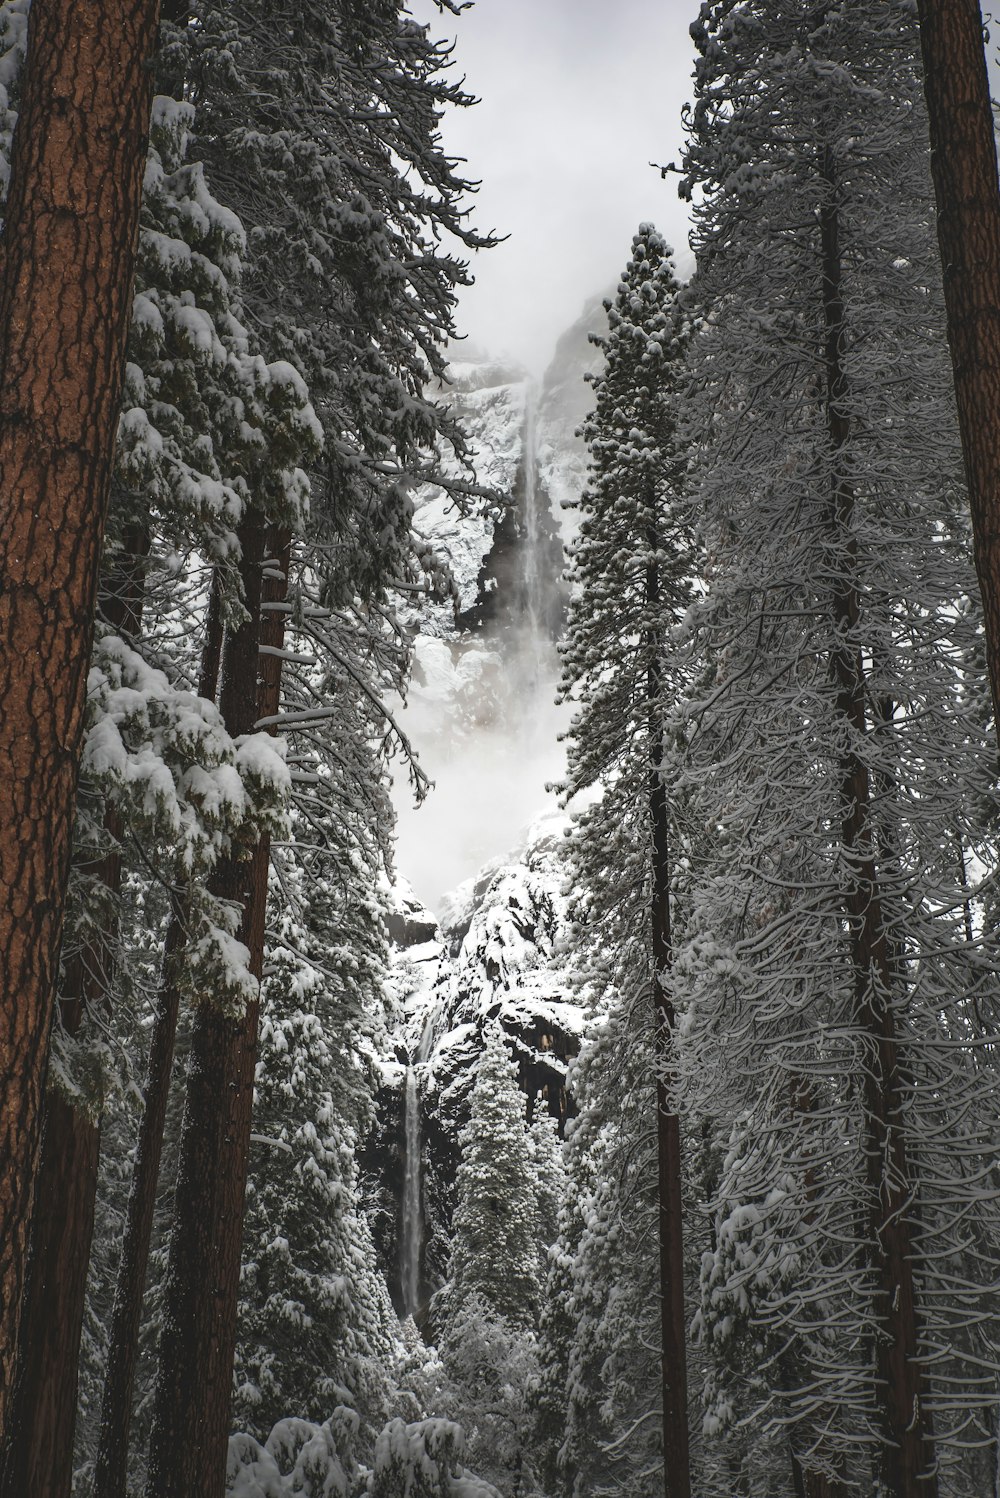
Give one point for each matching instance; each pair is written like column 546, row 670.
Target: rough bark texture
column 111, row 1468
column 68, row 259
column 906, row 1458
column 194, row 1378
column 66, row 1191
column 43, row 1413
column 676, row 1456
column 964, row 167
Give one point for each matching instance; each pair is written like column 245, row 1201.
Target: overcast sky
column 577, row 97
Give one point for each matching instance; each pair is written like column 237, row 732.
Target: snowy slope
column 494, row 956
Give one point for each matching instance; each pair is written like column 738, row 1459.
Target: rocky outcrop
column 494, row 957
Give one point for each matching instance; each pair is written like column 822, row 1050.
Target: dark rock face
column 410, row 924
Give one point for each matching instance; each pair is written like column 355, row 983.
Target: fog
column 577, row 97
column 489, row 782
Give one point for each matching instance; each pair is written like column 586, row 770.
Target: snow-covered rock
column 495, row 956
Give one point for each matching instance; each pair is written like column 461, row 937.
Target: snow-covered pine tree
column 299, row 1459
column 327, row 146
column 601, row 1350
column 159, row 773
column 316, row 1328
column 964, row 166
column 556, row 1328
column 550, row 1179
column 839, row 1003
column 631, row 573
column 484, row 1315
column 65, row 298
column 205, row 421
column 494, row 1251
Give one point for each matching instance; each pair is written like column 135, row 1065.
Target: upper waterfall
column 481, row 709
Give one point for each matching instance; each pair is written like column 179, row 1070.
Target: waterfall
column 534, row 583
column 412, row 1226
column 532, row 661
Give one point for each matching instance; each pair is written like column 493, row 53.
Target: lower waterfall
column 411, row 1235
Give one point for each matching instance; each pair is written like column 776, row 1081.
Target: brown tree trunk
column 68, row 260
column 808, row 1483
column 964, row 168
column 43, row 1412
column 906, row 1458
column 676, row 1455
column 111, row 1468
column 191, row 1416
column 66, row 1192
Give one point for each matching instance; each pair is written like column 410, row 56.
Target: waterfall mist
column 484, row 718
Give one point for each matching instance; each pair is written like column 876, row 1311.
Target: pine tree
column 632, row 568
column 602, row 1347
column 327, row 147
column 494, row 1252
column 834, row 998
column 316, row 1323
column 158, row 772
column 557, row 1325
column 550, row 1180
column 487, row 1309
column 964, row 164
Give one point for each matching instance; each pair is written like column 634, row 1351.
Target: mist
column 490, row 778
column 577, row 99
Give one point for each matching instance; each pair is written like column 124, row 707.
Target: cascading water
column 534, row 599
column 411, row 1227
column 481, row 708
column 532, row 662
column 412, row 1221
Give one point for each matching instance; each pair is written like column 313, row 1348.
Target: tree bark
column 676, row 1454
column 43, row 1412
column 68, row 259
column 191, row 1415
column 964, row 168
column 52, row 1319
column 906, row 1458
column 111, row 1467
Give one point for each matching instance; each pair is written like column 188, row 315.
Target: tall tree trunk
column 191, row 1416
column 809, row 1479
column 808, row 1483
column 111, row 1468
column 676, row 1455
column 964, row 168
column 68, row 259
column 45, row 1399
column 906, row 1458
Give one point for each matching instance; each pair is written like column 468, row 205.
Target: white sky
column 577, row 97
